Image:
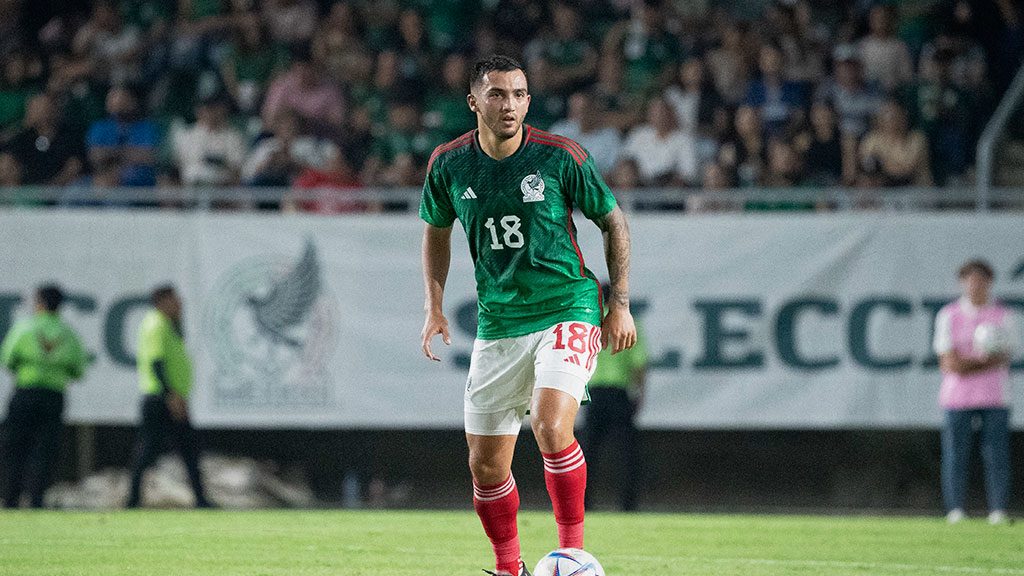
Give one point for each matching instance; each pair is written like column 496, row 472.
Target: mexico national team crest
column 533, row 188
column 270, row 326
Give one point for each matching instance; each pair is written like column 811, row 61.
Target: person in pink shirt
column 975, row 390
column 306, row 92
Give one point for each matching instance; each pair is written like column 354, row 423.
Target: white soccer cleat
column 955, row 516
column 997, row 517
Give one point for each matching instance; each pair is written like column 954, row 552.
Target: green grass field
column 222, row 543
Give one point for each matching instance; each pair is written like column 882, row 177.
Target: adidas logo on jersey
column 469, row 194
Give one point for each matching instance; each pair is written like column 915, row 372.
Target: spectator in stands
column 402, row 141
column 251, row 61
column 445, row 109
column 113, row 48
column 622, row 110
column 771, row 94
column 16, row 87
column 892, row 154
column 10, row 171
column 95, row 190
column 211, row 151
column 127, row 137
column 583, row 124
column 415, row 61
column 277, row 159
column 625, row 175
column 730, row 63
column 801, row 41
column 713, row 194
column 570, row 60
column 292, row 22
column 646, row 47
column 305, row 92
column 886, row 58
column 664, row 154
column 974, row 390
column 822, row 148
column 854, row 101
column 744, row 152
column 339, row 47
column 783, row 168
column 693, row 99
column 965, row 64
column 944, row 112
column 328, row 190
column 48, row 152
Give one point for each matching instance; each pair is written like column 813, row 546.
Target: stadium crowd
column 347, row 94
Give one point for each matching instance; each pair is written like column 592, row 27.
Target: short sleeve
column 943, row 339
column 589, row 191
column 436, row 205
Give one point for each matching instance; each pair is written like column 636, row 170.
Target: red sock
column 497, row 507
column 565, row 474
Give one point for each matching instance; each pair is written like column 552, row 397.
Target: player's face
column 501, row 101
column 976, row 287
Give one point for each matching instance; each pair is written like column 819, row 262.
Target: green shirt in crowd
column 43, row 352
column 615, row 371
column 160, row 340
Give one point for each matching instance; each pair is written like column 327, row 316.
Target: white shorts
column 503, row 374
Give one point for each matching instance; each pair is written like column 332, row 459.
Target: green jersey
column 43, row 352
column 517, row 214
column 160, row 340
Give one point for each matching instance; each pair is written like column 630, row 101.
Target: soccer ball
column 568, row 562
column 991, row 339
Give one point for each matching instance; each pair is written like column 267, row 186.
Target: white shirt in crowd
column 305, row 150
column 604, row 144
column 206, row 156
column 655, row 157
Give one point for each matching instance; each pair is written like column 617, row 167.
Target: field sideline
column 307, row 543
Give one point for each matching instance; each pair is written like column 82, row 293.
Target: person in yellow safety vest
column 44, row 354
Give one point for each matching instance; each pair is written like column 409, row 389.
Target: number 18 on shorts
column 503, row 374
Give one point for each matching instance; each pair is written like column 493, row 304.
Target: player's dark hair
column 160, row 292
column 977, row 265
column 492, row 63
column 50, row 296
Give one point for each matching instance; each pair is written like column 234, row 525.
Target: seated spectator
column 547, row 106
column 49, row 154
column 327, row 190
column 127, row 137
column 16, row 88
column 744, row 152
column 305, row 92
column 855, row 101
column 622, row 110
column 292, row 22
column 209, row 152
column 802, row 41
column 584, row 126
column 965, row 60
column 251, row 61
column 892, row 154
column 693, row 98
column 885, row 57
column 115, row 49
column 277, row 159
column 646, row 47
column 783, row 166
column 625, row 176
column 774, row 97
column 945, row 113
column 402, row 141
column 730, row 64
column 95, row 190
column 445, row 113
column 415, row 61
column 571, row 61
column 664, row 154
column 339, row 47
column 822, row 148
column 713, row 195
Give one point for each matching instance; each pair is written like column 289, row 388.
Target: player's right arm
column 437, row 255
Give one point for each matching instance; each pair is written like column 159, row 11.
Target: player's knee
column 486, row 470
column 551, row 432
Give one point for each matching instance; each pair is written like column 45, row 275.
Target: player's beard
column 506, row 130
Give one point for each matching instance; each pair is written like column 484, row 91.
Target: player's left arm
column 617, row 329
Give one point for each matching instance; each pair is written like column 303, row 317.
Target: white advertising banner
column 752, row 321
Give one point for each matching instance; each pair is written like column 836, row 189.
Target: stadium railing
column 995, row 128
column 643, row 199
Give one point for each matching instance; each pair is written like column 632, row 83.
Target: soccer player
column 44, row 354
column 540, row 325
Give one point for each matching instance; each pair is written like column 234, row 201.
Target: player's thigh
column 499, row 385
column 565, row 358
column 490, row 457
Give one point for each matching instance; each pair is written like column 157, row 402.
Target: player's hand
column 435, row 324
column 177, row 406
column 618, row 331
